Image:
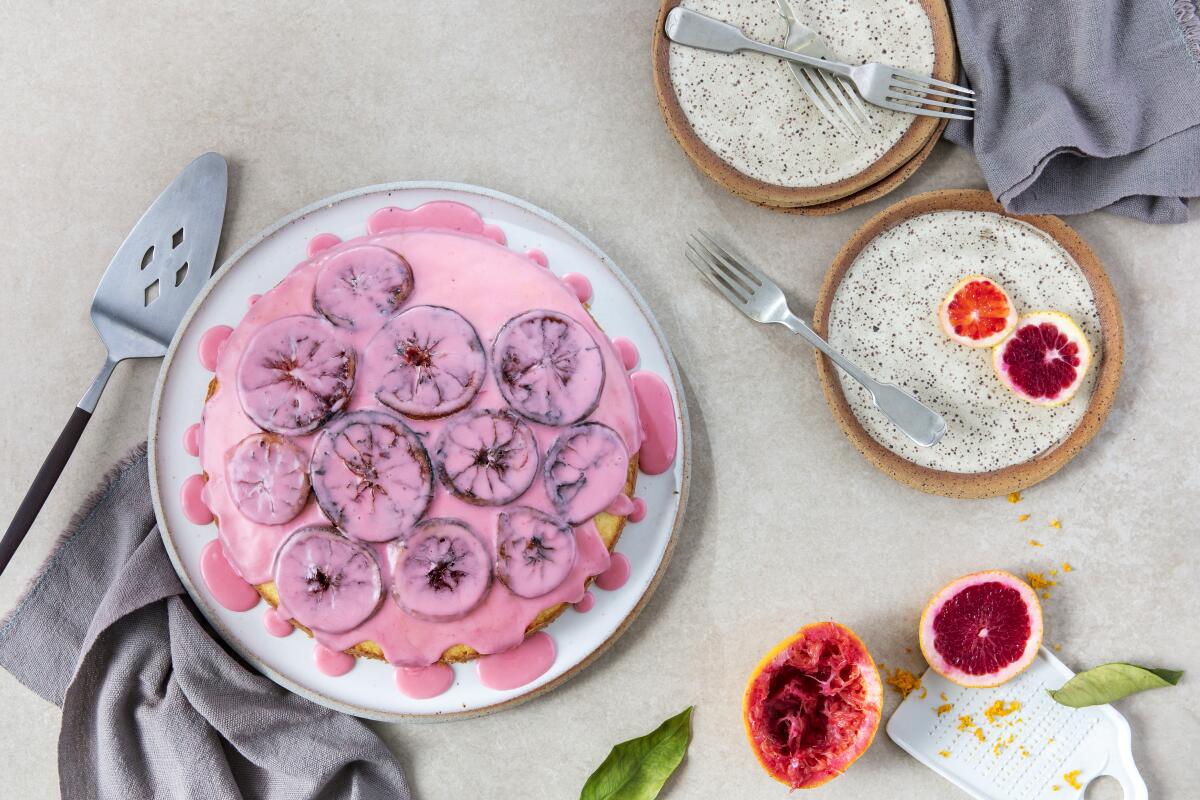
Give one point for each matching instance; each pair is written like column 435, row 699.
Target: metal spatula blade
column 149, row 285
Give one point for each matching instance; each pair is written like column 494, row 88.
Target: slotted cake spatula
column 148, row 287
column 1028, row 752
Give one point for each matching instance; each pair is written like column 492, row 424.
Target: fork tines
column 731, row 277
column 913, row 91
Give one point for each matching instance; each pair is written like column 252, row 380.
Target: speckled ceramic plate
column 744, row 122
column 368, row 690
column 879, row 304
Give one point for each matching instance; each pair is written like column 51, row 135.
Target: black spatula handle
column 47, row 476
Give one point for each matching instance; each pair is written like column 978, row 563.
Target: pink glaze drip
column 332, row 662
column 191, row 497
column 254, row 298
column 276, row 625
column 627, row 350
column 444, row 215
column 656, row 410
column 579, row 284
column 489, row 285
column 639, row 510
column 210, row 345
column 421, row 683
column 537, row 256
column 621, row 507
column 322, row 242
column 585, row 603
column 191, row 440
column 224, row 584
column 516, row 667
column 616, row 575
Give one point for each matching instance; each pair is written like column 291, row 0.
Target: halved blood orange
column 812, row 705
column 982, row 629
column 1045, row 358
column 977, row 312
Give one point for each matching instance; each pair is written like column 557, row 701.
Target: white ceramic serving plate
column 368, row 690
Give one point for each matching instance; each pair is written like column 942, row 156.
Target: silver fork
column 829, row 96
column 757, row 296
column 883, row 85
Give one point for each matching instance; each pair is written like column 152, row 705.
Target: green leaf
column 638, row 768
column 1109, row 682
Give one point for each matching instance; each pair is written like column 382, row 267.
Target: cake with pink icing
column 419, row 446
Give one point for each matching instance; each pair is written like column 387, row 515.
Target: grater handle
column 1125, row 771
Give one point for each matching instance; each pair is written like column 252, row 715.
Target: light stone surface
column 102, row 103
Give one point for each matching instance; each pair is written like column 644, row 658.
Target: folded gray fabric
column 1084, row 106
column 153, row 706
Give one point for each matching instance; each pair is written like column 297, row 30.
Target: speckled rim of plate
column 871, row 193
column 1016, row 476
column 683, row 452
column 893, row 162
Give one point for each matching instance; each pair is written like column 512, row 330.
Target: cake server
column 760, row 299
column 151, row 282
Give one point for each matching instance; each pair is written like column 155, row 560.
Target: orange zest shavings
column 1014, row 497
column 1022, row 518
column 1034, row 543
column 1056, row 524
column 1072, row 778
column 944, row 753
column 903, row 681
column 1000, row 709
column 943, row 708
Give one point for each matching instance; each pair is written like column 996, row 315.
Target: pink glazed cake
column 420, row 447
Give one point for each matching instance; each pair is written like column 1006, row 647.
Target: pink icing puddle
column 656, row 410
column 442, row 214
column 586, row 603
column 275, row 624
column 639, row 510
column 254, row 298
column 321, row 242
column 615, row 576
column 332, row 662
column 210, row 345
column 191, row 497
column 621, row 507
column 191, row 440
column 226, row 586
column 516, row 667
column 421, row 683
column 627, row 350
column 537, row 256
column 578, row 284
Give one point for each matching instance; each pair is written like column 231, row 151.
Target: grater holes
column 151, row 293
column 181, row 274
column 176, row 240
column 147, row 257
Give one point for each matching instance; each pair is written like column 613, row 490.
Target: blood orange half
column 982, row 629
column 1045, row 358
column 977, row 312
column 812, row 705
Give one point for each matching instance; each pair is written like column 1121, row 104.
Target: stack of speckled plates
column 745, row 122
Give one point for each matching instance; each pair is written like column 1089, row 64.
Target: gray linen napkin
column 153, row 706
column 1084, row 106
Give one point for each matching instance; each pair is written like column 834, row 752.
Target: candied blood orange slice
column 982, row 629
column 549, row 367
column 586, row 468
column 361, row 285
column 488, row 458
column 295, row 373
column 1045, row 358
column 326, row 581
column 534, row 551
column 977, row 312
column 812, row 705
column 426, row 362
column 441, row 572
column 371, row 475
column 267, row 478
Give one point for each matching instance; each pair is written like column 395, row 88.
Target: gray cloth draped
column 1084, row 105
column 153, row 706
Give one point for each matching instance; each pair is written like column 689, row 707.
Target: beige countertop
column 102, row 103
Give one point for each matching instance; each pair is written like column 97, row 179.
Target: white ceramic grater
column 1024, row 754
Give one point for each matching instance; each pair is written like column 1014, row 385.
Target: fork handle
column 797, row 325
column 799, row 58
